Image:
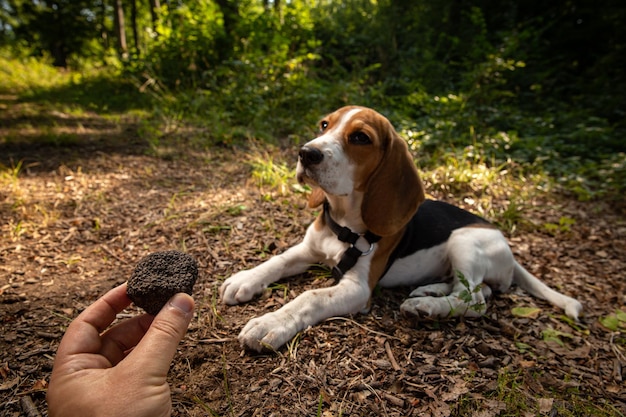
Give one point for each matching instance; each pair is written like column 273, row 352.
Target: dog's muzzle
column 310, row 156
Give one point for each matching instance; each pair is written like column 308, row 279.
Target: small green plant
column 229, row 397
column 216, row 229
column 268, row 172
column 17, row 229
column 280, row 287
column 72, row 260
column 205, row 406
column 510, row 390
column 236, row 210
column 508, row 219
column 563, row 226
column 320, row 403
column 467, row 294
column 11, row 173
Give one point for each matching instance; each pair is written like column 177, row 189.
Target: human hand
column 121, row 372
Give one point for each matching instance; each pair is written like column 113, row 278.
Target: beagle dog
column 377, row 228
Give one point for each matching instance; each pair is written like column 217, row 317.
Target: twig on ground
column 364, row 327
column 29, row 407
column 392, row 359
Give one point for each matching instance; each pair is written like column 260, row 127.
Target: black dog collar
column 344, row 234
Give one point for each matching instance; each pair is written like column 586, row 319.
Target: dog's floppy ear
column 316, row 198
column 394, row 191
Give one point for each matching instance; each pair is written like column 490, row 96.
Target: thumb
column 158, row 346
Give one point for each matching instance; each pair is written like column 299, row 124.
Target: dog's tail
column 534, row 286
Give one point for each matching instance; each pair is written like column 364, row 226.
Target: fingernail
column 182, row 302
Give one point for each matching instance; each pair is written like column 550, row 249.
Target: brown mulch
column 79, row 217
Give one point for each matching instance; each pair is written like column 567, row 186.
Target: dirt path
column 81, row 213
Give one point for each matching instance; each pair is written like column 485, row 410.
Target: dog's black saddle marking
column 432, row 225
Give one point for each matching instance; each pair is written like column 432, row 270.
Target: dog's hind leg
column 469, row 253
column 438, row 289
column 466, row 303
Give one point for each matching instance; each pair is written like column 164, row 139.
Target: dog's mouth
column 305, row 176
column 310, row 177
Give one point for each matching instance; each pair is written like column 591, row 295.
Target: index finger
column 83, row 334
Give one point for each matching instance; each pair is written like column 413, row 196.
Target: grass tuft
column 270, row 172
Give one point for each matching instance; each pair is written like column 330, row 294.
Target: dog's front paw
column 240, row 288
column 269, row 332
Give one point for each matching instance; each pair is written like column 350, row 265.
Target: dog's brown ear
column 316, row 198
column 394, row 191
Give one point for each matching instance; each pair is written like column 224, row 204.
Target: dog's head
column 358, row 150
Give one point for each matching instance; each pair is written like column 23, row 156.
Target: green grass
column 106, row 91
column 510, row 397
column 270, row 173
column 9, row 175
column 28, row 73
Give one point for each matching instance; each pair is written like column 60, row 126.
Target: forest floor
column 82, row 200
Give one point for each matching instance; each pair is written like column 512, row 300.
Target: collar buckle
column 344, row 234
column 370, row 250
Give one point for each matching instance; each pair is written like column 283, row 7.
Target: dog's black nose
column 310, row 156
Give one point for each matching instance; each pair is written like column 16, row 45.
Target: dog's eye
column 323, row 125
column 359, row 138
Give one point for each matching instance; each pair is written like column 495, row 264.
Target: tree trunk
column 120, row 29
column 155, row 5
column 59, row 54
column 133, row 22
column 57, row 42
column 104, row 33
column 230, row 13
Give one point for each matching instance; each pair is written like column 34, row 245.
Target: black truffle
column 159, row 276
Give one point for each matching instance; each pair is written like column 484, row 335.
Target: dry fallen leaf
column 459, row 388
column 7, row 385
column 40, row 385
column 491, row 408
column 545, row 405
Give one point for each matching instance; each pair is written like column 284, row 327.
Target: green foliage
column 467, row 294
column 472, row 86
column 36, row 80
column 510, row 397
column 60, row 28
column 563, row 226
column 23, row 73
column 184, row 51
column 236, row 210
column 267, row 172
